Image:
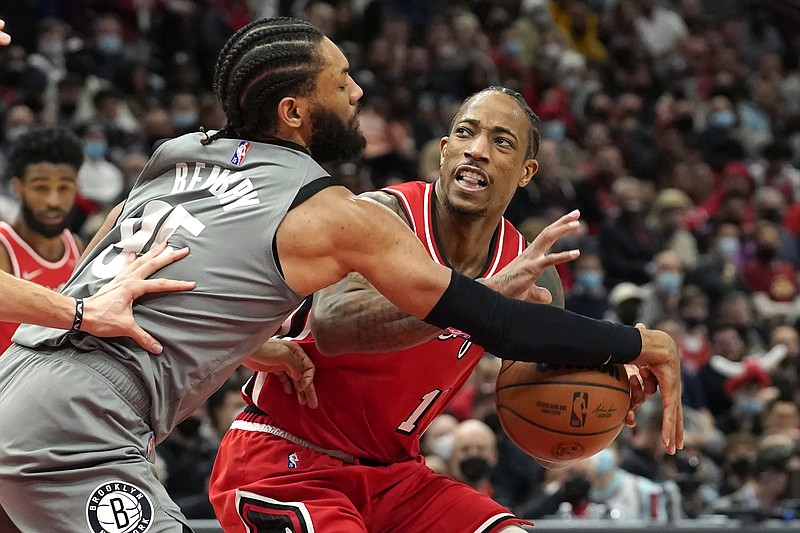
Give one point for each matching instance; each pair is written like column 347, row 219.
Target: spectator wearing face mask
column 770, row 205
column 99, row 180
column 627, row 245
column 717, row 272
column 474, row 455
column 662, row 294
column 626, row 495
column 588, row 295
column 624, row 300
column 772, row 280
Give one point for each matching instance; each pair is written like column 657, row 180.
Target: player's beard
column 461, row 212
column 332, row 139
column 47, row 230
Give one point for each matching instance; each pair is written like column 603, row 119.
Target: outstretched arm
column 353, row 317
column 336, row 233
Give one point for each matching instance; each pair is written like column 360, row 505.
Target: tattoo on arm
column 353, row 317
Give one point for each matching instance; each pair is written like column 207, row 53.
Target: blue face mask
column 605, row 462
column 669, row 282
column 554, row 130
column 95, row 149
column 513, row 48
column 722, row 119
column 183, row 120
column 590, row 280
column 749, row 406
column 109, row 44
column 729, row 246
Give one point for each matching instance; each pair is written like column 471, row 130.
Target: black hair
column 533, row 119
column 50, row 144
column 262, row 63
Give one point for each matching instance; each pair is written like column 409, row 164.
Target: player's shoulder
column 383, row 198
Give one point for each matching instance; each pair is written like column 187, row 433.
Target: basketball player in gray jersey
column 79, row 414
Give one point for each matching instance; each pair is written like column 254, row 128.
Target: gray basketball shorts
column 74, row 448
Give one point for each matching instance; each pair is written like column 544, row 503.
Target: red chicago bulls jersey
column 376, row 406
column 29, row 265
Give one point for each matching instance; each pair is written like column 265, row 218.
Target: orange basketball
column 559, row 414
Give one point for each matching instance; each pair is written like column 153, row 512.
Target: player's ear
column 291, row 111
column 530, row 168
column 442, row 149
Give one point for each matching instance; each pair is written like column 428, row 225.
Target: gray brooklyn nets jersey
column 224, row 201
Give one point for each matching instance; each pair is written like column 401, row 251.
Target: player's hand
column 660, row 356
column 518, row 278
column 643, row 385
column 291, row 364
column 5, row 38
column 108, row 313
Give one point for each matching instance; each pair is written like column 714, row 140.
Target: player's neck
column 464, row 242
column 48, row 248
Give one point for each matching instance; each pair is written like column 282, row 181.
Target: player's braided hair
column 261, row 64
column 533, row 134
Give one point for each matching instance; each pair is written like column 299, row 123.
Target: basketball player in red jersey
column 43, row 167
column 353, row 463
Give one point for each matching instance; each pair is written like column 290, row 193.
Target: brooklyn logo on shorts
column 119, row 507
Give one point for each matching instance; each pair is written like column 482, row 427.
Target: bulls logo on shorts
column 119, row 507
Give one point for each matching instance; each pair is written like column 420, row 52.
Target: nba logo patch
column 293, row 460
column 241, row 151
column 119, row 507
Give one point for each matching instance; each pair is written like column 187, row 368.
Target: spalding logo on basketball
column 560, row 413
column 119, row 507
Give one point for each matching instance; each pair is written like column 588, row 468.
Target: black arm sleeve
column 523, row 331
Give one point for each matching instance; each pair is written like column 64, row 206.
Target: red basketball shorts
column 263, row 483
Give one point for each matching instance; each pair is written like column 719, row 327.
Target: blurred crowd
column 674, row 126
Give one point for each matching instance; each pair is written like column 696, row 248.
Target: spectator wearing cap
column 625, row 300
column 668, row 223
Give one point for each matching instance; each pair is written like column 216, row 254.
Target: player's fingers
column 670, row 392
column 630, row 419
column 558, row 258
column 154, row 260
column 286, row 383
column 144, row 339
column 549, row 235
column 301, row 398
column 540, row 295
column 311, row 396
column 147, row 286
column 679, row 428
column 637, row 391
column 649, row 381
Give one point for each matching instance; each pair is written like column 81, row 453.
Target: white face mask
column 443, row 446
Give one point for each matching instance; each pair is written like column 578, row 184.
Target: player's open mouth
column 471, row 178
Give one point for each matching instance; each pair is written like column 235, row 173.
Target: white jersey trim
column 66, row 237
column 483, row 528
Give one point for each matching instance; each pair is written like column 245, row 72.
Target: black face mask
column 766, row 253
column 693, row 321
column 742, row 467
column 474, row 468
column 576, row 489
column 189, row 427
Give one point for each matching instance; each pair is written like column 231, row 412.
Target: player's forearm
column 523, row 331
column 29, row 303
column 365, row 322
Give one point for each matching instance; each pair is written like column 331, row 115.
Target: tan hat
column 672, row 198
column 625, row 291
